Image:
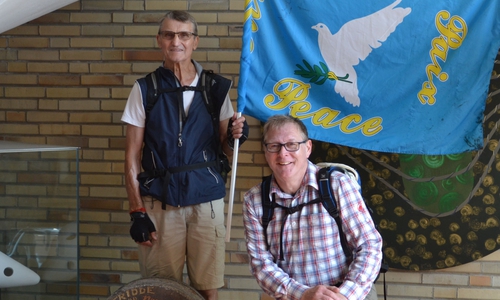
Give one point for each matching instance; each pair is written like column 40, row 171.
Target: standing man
column 300, row 256
column 180, row 127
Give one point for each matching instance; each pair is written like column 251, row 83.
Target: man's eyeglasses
column 290, row 146
column 170, row 35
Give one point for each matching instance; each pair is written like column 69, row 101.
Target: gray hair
column 180, row 16
column 278, row 121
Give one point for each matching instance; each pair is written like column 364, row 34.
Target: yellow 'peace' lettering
column 293, row 93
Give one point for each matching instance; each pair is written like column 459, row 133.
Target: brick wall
column 64, row 80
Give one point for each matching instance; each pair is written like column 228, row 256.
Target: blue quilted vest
column 179, row 156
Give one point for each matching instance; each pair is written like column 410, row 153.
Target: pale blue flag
column 393, row 76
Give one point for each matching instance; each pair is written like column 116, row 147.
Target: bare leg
column 209, row 294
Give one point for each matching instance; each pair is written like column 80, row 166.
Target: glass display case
column 38, row 221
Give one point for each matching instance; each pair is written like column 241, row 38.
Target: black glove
column 141, row 227
column 230, row 138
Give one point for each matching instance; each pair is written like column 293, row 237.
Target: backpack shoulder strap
column 351, row 172
column 330, row 204
column 205, row 82
column 267, row 207
column 205, row 85
column 152, row 92
column 216, row 84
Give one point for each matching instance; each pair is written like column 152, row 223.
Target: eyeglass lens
column 170, row 35
column 290, row 146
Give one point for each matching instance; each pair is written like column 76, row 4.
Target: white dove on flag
column 352, row 44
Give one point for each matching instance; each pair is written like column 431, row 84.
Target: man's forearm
column 132, row 187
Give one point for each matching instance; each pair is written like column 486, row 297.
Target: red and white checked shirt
column 313, row 254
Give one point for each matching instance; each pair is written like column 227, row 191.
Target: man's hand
column 237, row 128
column 323, row 292
column 143, row 230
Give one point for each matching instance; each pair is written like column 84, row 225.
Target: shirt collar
column 308, row 182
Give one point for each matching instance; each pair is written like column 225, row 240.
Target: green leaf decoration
column 318, row 74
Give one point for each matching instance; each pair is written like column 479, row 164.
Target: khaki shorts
column 372, row 295
column 193, row 235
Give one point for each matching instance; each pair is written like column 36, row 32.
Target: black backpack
column 326, row 198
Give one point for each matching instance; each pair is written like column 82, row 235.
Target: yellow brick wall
column 64, row 80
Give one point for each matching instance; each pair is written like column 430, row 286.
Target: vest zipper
column 208, row 168
column 149, row 180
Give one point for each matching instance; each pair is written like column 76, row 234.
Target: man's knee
column 209, row 294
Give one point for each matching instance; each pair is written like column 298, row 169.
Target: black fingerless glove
column 141, row 227
column 230, row 138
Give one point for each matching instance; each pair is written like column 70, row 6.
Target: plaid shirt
column 313, row 254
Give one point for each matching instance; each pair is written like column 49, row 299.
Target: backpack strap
column 206, row 81
column 153, row 92
column 326, row 197
column 206, row 84
column 330, row 204
column 351, row 172
column 267, row 205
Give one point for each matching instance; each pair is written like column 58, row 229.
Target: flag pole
column 232, row 186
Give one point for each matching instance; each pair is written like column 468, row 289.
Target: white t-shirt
column 135, row 114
